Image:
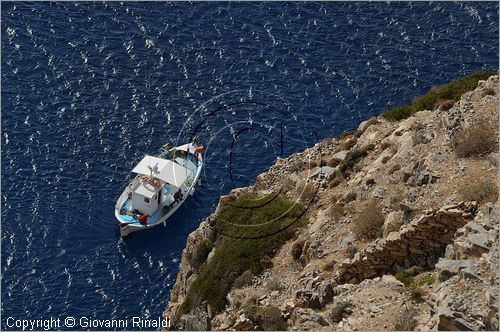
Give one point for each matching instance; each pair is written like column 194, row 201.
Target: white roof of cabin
column 146, row 190
column 165, row 170
column 186, row 147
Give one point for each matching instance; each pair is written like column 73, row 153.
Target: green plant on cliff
column 447, row 92
column 249, row 231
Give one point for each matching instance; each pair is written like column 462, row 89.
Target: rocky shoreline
column 402, row 231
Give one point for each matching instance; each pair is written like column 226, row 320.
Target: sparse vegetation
column 200, row 254
column 369, row 221
column 348, row 143
column 480, row 189
column 241, row 248
column 438, row 95
column 308, row 192
column 297, row 247
column 350, row 160
column 405, row 277
column 269, row 318
column 333, row 162
column 414, row 284
column 327, row 266
column 475, row 141
column 244, row 279
column 273, row 285
column 351, row 251
column 339, row 311
column 398, row 113
column 406, row 320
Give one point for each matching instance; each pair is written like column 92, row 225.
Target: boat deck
column 168, row 192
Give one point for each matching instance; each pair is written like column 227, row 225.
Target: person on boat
column 143, row 219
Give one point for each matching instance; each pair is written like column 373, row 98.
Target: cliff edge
column 391, row 227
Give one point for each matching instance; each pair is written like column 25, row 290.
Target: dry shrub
column 327, row 266
column 297, row 248
column 406, row 320
column 349, row 143
column 287, row 185
column 335, row 181
column 296, row 166
column 312, row 164
column 243, row 280
column 308, row 192
column 351, row 250
column 369, row 221
column 273, row 285
column 339, row 311
column 384, row 145
column 386, row 159
column 488, row 91
column 371, row 121
column 348, row 197
column 479, row 189
column 443, row 104
column 475, row 141
column 269, row 318
column 394, row 168
column 336, row 211
column 333, row 162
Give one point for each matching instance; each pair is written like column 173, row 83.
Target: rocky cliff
column 401, row 231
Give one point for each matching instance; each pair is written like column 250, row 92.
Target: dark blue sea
column 89, row 88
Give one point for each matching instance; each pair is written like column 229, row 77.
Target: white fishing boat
column 161, row 186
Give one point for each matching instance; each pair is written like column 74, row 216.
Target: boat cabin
column 156, row 174
column 146, row 197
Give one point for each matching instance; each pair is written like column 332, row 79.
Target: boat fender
column 143, row 219
column 200, row 149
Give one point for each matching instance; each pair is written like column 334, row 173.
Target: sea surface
column 89, row 88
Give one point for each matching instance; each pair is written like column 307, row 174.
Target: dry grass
column 406, row 320
column 308, row 192
column 327, row 266
column 443, row 104
column 297, row 248
column 243, row 280
column 333, row 162
column 475, row 141
column 369, row 221
column 479, row 188
column 336, row 211
column 384, row 145
column 269, row 318
column 348, row 144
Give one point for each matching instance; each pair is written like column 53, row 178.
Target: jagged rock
column 447, row 268
column 325, row 291
column 308, row 299
column 449, row 322
column 324, row 171
column 340, row 155
column 198, row 320
column 339, row 311
column 243, row 324
column 223, row 321
column 480, row 243
column 425, row 177
column 307, row 315
column 493, row 159
column 393, row 222
column 489, row 210
column 349, row 239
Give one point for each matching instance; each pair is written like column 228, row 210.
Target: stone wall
column 419, row 243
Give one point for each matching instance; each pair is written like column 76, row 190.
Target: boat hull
column 130, row 225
